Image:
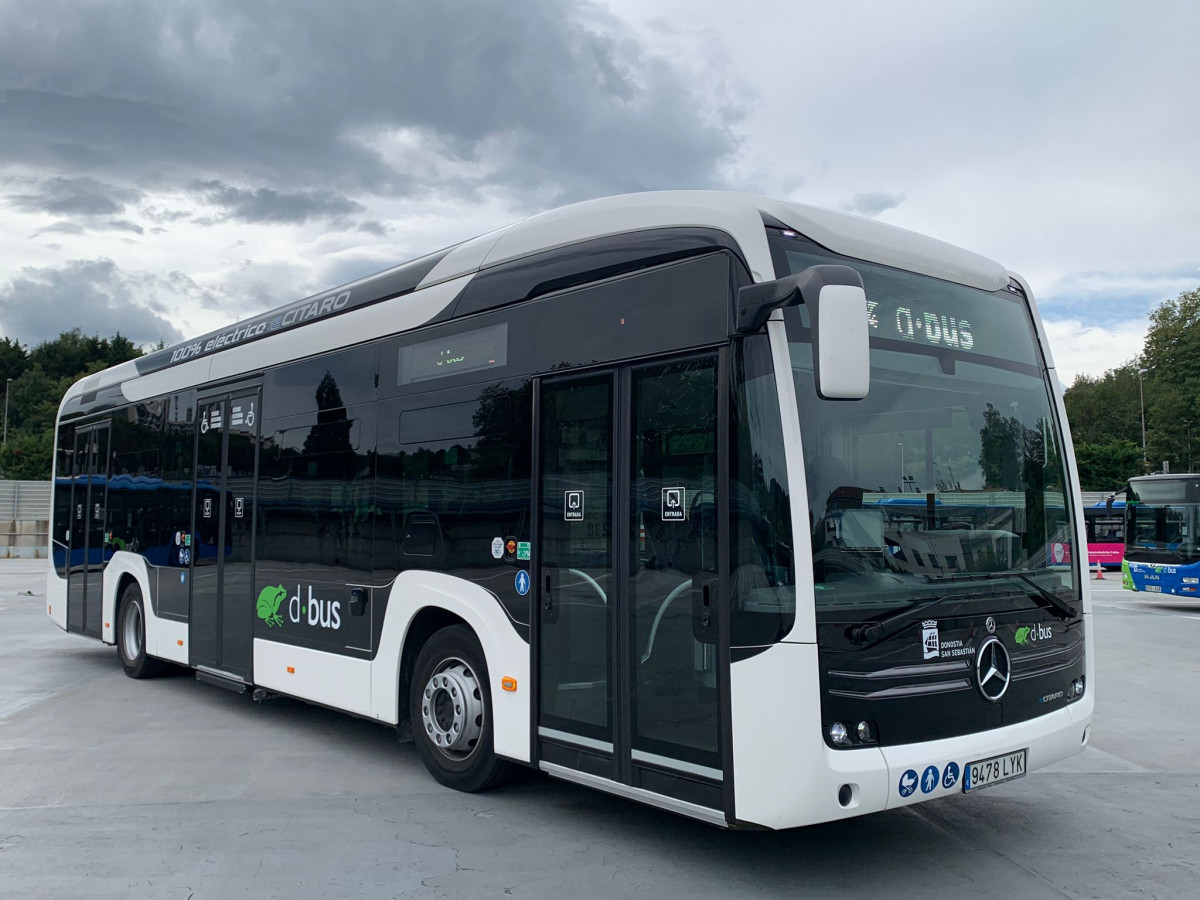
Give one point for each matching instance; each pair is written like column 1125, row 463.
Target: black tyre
column 131, row 635
column 450, row 706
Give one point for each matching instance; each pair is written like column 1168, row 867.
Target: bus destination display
column 483, row 348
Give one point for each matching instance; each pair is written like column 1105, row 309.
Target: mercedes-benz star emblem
column 990, row 624
column 993, row 668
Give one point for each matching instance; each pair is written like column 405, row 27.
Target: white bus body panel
column 165, row 638
column 330, row 679
column 736, row 214
column 783, row 774
column 56, row 594
column 354, row 327
column 506, row 653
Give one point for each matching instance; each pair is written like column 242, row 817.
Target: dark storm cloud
column 541, row 98
column 74, row 196
column 94, row 296
column 873, row 203
column 267, row 205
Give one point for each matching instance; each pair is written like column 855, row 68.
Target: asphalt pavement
column 177, row 789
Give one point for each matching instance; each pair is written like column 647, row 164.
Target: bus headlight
column 864, row 731
column 838, row 734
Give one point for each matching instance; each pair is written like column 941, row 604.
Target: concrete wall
column 24, row 519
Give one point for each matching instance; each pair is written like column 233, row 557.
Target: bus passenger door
column 87, row 553
column 630, row 578
column 221, row 617
column 575, row 590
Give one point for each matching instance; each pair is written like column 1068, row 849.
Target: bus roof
column 739, row 215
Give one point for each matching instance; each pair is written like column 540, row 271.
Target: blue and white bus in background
column 1162, row 553
column 756, row 512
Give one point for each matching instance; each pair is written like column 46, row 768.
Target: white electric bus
column 756, row 512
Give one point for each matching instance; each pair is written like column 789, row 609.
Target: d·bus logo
column 1027, row 636
column 313, row 611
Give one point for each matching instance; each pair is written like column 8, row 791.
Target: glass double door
column 629, row 576
column 221, row 620
column 88, row 550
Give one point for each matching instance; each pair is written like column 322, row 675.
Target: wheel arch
column 420, row 600
column 428, row 621
column 124, row 568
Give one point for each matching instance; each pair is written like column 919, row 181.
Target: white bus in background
column 752, row 511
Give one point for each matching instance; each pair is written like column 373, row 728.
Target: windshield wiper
column 875, row 629
column 1065, row 609
column 1057, row 603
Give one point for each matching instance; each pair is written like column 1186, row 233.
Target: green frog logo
column 268, row 605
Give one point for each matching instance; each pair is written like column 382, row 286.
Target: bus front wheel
column 131, row 635
column 450, row 706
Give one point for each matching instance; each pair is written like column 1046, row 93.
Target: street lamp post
column 7, row 385
column 901, row 465
column 1142, row 403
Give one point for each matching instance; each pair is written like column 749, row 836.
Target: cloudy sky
column 168, row 168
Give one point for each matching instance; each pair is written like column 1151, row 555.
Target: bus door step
column 221, row 679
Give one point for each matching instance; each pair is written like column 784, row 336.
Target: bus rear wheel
column 450, row 706
column 131, row 635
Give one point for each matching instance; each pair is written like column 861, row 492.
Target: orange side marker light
column 107, row 625
column 180, row 643
column 509, row 684
column 291, row 670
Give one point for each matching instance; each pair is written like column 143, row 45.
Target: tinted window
column 64, row 466
column 763, row 602
column 452, row 479
column 315, row 491
column 670, row 308
column 345, row 378
column 136, row 482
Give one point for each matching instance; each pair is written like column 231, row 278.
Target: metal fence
column 24, row 519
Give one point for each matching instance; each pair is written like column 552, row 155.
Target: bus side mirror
column 837, row 315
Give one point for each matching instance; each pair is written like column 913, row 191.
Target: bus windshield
column 950, row 474
column 1161, row 518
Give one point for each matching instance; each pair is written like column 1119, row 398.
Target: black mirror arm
column 756, row 302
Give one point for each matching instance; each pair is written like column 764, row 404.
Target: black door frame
column 224, row 395
column 85, row 572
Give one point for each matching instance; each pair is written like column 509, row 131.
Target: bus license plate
column 1154, row 588
column 987, row 772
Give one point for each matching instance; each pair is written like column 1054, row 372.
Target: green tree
column 1000, row 454
column 1107, row 466
column 39, row 378
column 13, row 359
column 1105, row 408
column 27, row 456
column 1172, row 350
